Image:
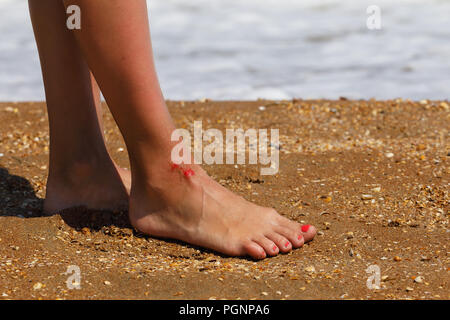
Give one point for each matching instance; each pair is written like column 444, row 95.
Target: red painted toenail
column 275, row 248
column 300, row 237
column 305, row 228
column 188, row 172
column 287, row 244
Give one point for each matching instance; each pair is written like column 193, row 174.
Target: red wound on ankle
column 188, row 172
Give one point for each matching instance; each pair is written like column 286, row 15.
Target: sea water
column 276, row 49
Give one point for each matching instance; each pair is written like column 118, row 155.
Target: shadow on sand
column 19, row 199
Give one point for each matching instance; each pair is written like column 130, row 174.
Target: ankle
column 76, row 171
column 92, row 183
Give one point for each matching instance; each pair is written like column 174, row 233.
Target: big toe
column 308, row 231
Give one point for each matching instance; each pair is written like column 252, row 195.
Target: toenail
column 300, row 237
column 287, row 244
column 275, row 248
column 305, row 228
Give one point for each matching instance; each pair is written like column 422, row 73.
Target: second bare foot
column 91, row 184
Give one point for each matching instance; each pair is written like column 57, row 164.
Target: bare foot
column 188, row 205
column 94, row 185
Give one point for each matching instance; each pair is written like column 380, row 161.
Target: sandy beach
column 372, row 176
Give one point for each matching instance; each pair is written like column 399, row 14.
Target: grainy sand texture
column 372, row 176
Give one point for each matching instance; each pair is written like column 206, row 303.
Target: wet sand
column 372, row 176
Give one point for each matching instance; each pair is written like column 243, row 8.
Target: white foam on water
column 276, row 49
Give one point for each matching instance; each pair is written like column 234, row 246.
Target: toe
column 308, row 231
column 268, row 245
column 254, row 250
column 293, row 235
column 282, row 243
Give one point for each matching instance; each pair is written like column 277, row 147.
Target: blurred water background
column 275, row 49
